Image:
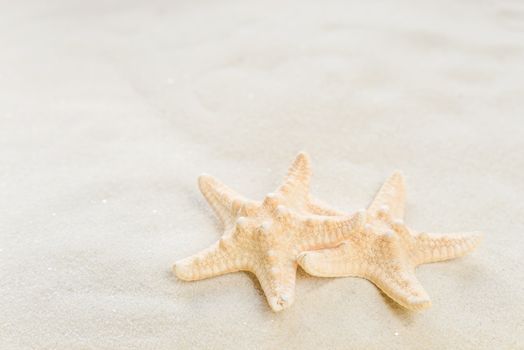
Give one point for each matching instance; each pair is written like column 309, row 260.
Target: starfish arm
column 396, row 280
column 226, row 203
column 278, row 284
column 340, row 261
column 391, row 196
column 318, row 231
column 400, row 284
column 216, row 260
column 432, row 248
column 295, row 188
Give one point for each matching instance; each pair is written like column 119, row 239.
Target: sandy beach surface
column 109, row 110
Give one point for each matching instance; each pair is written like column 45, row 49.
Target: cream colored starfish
column 266, row 237
column 386, row 252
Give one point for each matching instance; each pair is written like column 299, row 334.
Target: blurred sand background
column 109, row 110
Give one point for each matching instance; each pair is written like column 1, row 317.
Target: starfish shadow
column 168, row 273
column 406, row 315
column 398, row 310
column 255, row 282
column 301, row 274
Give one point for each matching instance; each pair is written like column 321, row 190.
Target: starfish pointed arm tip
column 204, row 180
column 402, row 286
column 295, row 188
column 278, row 282
column 418, row 303
column 182, row 270
column 213, row 261
column 391, row 197
column 302, row 154
column 280, row 302
column 302, row 161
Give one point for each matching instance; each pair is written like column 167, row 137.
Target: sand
column 109, row 110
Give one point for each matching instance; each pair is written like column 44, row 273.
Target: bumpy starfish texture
column 386, row 252
column 266, row 237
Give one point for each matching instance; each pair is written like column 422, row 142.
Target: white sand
column 111, row 109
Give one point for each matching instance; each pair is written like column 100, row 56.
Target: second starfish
column 386, row 252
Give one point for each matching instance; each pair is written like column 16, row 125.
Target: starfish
column 386, row 252
column 265, row 237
